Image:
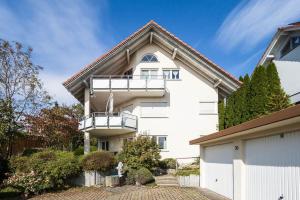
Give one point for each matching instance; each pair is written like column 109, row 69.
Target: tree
column 258, row 93
column 278, row 99
column 58, row 125
column 141, row 152
column 229, row 111
column 221, row 109
column 21, row 90
column 244, row 102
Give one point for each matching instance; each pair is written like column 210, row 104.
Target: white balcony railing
column 128, row 82
column 103, row 120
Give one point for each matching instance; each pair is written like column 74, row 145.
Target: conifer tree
column 244, row 102
column 229, row 111
column 277, row 98
column 221, row 109
column 258, row 93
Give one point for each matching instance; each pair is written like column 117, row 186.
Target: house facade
column 284, row 51
column 153, row 84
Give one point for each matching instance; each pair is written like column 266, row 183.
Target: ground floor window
column 105, row 145
column 161, row 141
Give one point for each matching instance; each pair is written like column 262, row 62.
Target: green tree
column 258, row 93
column 21, row 90
column 141, row 152
column 244, row 102
column 221, row 109
column 277, row 98
column 229, row 111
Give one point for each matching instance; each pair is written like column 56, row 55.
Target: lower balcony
column 104, row 124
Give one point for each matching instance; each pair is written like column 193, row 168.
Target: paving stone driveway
column 126, row 193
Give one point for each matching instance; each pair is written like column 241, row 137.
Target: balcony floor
column 112, row 131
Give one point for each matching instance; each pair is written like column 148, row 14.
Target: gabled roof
column 288, row 113
column 150, row 24
column 290, row 27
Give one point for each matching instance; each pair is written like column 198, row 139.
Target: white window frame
column 149, row 75
column 157, row 141
column 170, row 76
column 202, row 103
column 164, row 114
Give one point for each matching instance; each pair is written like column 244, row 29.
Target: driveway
column 126, row 193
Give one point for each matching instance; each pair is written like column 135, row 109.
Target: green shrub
column 9, row 192
column 80, row 150
column 3, row 169
column 101, row 161
column 168, row 163
column 43, row 170
column 141, row 152
column 188, row 171
column 143, row 176
column 30, row 151
column 130, row 176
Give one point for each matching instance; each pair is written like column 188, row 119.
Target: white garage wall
column 219, row 169
column 272, row 167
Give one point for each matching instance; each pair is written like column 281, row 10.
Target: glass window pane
column 153, row 74
column 149, row 58
column 175, row 74
column 166, row 74
column 144, row 74
column 162, row 142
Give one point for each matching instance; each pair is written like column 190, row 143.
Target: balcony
column 124, row 88
column 102, row 124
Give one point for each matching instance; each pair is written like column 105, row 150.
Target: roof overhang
column 288, row 119
column 151, row 33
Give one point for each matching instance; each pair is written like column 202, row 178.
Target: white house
column 284, row 51
column 256, row 160
column 151, row 83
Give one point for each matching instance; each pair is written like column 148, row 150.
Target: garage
column 219, row 168
column 255, row 160
column 272, row 167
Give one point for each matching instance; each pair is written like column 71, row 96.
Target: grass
column 188, row 171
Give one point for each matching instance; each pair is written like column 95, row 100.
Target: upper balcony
column 103, row 124
column 154, row 85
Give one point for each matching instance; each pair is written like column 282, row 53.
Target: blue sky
column 68, row 34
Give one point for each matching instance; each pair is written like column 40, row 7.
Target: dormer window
column 290, row 45
column 149, row 58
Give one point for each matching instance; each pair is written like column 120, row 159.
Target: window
column 208, row 108
column 105, row 145
column 161, row 141
column 154, row 109
column 171, row 74
column 149, row 58
column 290, row 45
column 149, row 73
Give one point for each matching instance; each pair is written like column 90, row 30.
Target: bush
column 101, row 161
column 29, row 152
column 188, row 170
column 80, row 150
column 9, row 192
column 168, row 163
column 141, row 152
column 130, row 176
column 143, row 176
column 44, row 170
column 3, row 169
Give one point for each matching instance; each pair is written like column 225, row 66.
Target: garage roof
column 288, row 113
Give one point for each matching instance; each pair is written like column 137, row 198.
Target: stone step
column 168, row 185
column 166, row 180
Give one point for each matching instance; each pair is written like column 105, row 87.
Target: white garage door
column 273, row 167
column 219, row 169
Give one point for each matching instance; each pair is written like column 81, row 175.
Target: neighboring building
column 161, row 87
column 284, row 51
column 255, row 160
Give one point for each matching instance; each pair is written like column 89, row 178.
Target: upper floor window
column 149, row 73
column 149, row 58
column 290, row 45
column 171, row 74
column 208, row 108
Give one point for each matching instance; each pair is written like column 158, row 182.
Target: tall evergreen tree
column 244, row 102
column 258, row 93
column 229, row 111
column 277, row 98
column 221, row 109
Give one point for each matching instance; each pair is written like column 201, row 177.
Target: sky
column 66, row 35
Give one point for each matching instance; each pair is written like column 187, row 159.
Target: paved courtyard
column 126, row 193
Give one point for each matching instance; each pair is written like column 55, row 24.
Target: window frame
column 170, row 75
column 156, row 140
column 149, row 60
column 166, row 112
column 209, row 113
column 149, row 75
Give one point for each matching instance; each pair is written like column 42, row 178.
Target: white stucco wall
column 183, row 120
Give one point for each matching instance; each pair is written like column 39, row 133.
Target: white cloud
column 64, row 35
column 252, row 21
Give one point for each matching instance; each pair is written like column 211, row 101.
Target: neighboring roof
column 124, row 42
column 285, row 114
column 289, row 27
